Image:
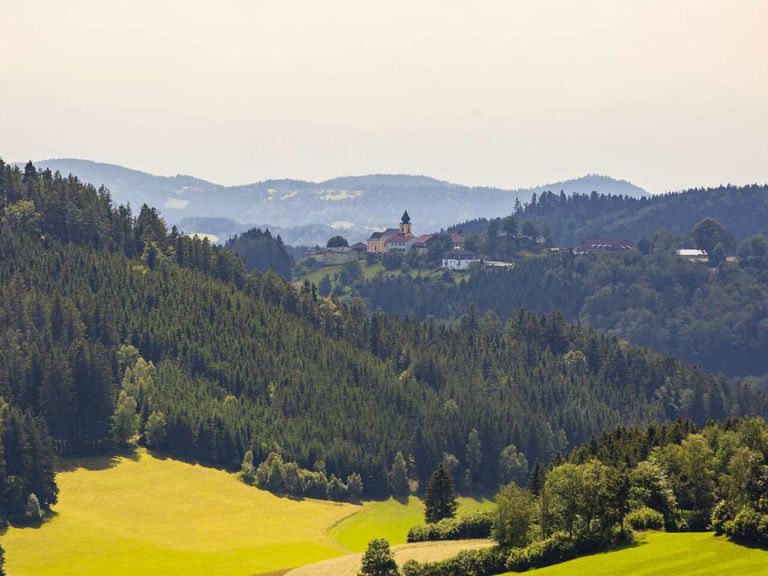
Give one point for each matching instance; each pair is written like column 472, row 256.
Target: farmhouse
column 693, row 254
column 459, row 259
column 340, row 255
column 597, row 245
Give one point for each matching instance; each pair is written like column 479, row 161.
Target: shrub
column 556, row 548
column 748, row 525
column 560, row 547
column 472, row 525
column 482, row 562
column 645, row 519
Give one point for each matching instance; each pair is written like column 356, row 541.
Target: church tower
column 405, row 224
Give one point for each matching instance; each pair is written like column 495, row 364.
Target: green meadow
column 662, row 554
column 141, row 514
column 390, row 519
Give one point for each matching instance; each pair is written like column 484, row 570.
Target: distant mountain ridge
column 305, row 211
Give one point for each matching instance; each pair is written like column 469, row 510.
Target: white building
column 459, row 259
column 693, row 254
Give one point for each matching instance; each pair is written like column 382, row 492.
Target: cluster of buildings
column 400, row 239
column 339, row 255
column 403, row 240
column 597, row 245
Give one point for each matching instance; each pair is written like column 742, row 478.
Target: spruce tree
column 440, row 501
column 398, row 477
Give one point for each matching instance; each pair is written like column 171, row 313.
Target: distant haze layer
column 498, row 93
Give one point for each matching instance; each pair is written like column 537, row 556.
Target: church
column 400, row 239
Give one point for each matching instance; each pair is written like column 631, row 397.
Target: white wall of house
column 456, row 264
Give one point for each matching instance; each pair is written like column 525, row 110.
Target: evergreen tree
column 473, row 458
column 324, row 287
column 398, row 476
column 439, row 500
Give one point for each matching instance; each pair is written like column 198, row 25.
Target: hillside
column 355, row 205
column 661, row 554
column 571, row 219
column 91, row 296
column 658, row 300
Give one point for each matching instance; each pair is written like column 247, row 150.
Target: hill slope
column 661, row 554
column 141, row 514
column 355, row 204
column 741, row 209
column 244, row 361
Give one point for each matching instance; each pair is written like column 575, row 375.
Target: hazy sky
column 668, row 93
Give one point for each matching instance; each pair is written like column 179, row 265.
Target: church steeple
column 405, row 224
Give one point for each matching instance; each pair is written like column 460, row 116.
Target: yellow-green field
column 661, row 554
column 421, row 552
column 389, row 519
column 144, row 515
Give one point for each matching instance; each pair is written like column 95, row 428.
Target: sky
column 509, row 93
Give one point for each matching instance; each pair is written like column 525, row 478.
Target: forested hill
column 302, row 211
column 111, row 324
column 576, row 217
column 714, row 317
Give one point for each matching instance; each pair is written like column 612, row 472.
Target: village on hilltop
column 450, row 250
column 402, row 240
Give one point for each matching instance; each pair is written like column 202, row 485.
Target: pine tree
column 536, row 478
column 473, row 458
column 440, row 501
column 398, row 477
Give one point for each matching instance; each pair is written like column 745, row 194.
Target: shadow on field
column 634, row 544
column 28, row 525
column 96, row 462
column 743, row 543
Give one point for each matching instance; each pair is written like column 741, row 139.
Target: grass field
column 661, row 554
column 421, row 552
column 389, row 519
column 145, row 515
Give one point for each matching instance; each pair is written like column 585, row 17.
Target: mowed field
column 390, row 519
column 421, row 552
column 143, row 515
column 662, row 554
